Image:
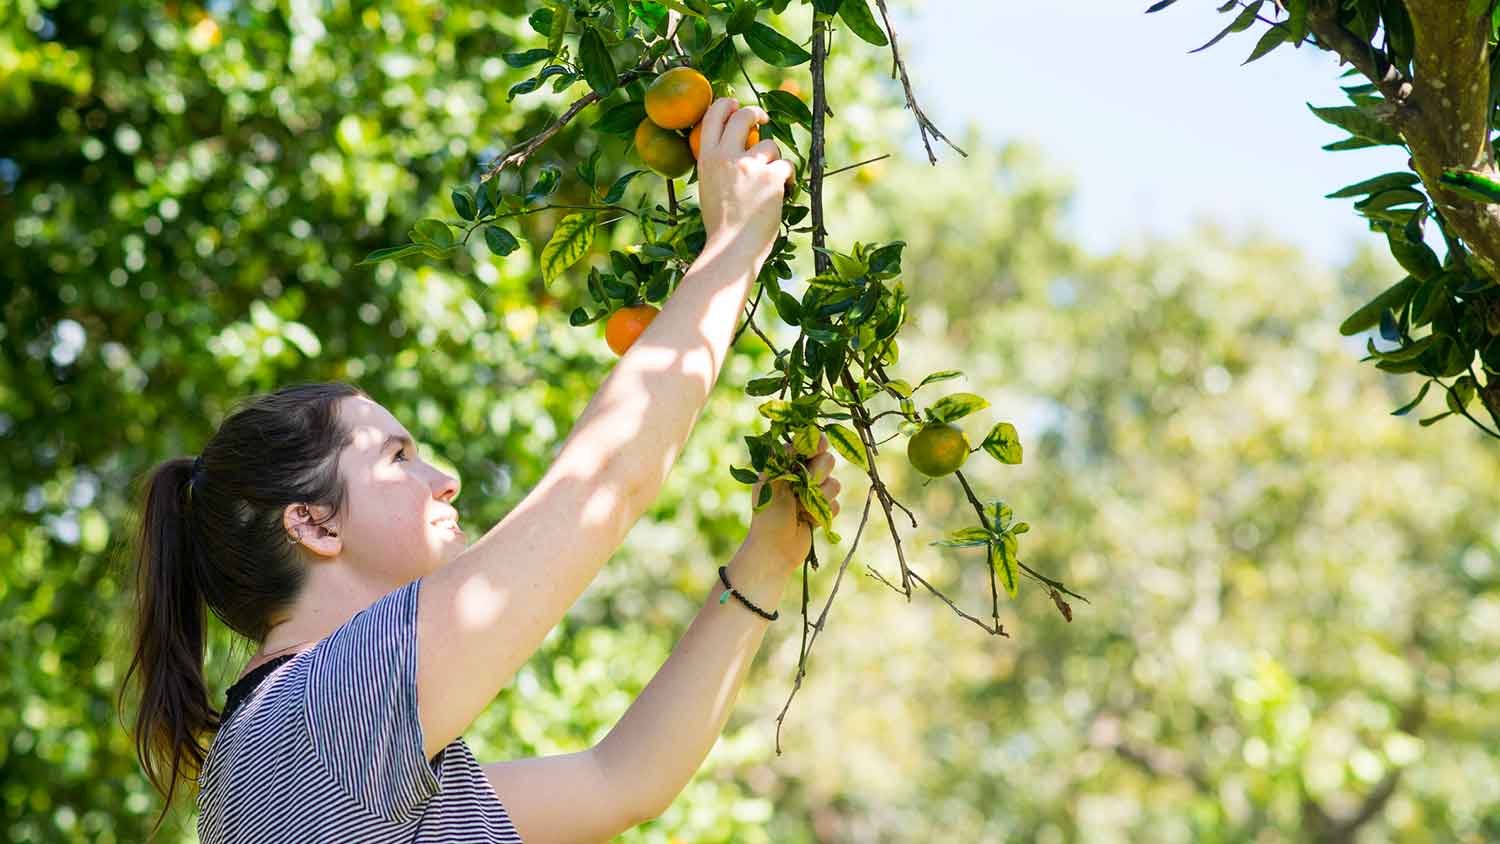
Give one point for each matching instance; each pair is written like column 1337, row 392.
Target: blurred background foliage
column 1295, row 596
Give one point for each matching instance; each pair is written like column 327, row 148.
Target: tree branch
column 1323, row 21
column 898, row 66
column 518, row 154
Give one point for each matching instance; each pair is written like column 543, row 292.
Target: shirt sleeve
column 362, row 709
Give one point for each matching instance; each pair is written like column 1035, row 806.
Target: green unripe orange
column 663, row 150
column 938, row 450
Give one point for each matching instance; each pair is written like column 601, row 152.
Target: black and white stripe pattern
column 328, row 748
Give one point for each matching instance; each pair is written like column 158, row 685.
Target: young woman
column 311, row 525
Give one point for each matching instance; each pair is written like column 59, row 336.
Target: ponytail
column 170, row 636
column 212, row 539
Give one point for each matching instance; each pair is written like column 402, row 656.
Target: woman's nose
column 448, row 486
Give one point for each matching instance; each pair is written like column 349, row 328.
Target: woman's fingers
column 738, row 126
column 766, row 150
column 713, row 121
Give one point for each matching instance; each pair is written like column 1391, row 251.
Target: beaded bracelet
column 730, row 590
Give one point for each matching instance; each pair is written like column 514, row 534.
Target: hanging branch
column 898, row 66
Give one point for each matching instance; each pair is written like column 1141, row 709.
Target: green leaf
column 1159, row 5
column 432, row 231
column 529, row 57
column 617, row 190
column 580, row 317
column 547, row 180
column 718, row 62
column 816, row 504
column 391, row 253
column 622, row 118
column 541, row 21
column 463, row 203
column 1003, row 444
column 525, row 86
column 1383, row 182
column 789, row 104
column 847, row 266
column 763, row 498
column 846, row 442
column 743, row 16
column 944, row 375
column 1359, row 123
column 598, row 67
column 570, row 241
column 1390, row 198
column 679, row 6
column 1431, row 419
column 1416, row 257
column 899, row 386
column 885, row 262
column 1394, row 297
column 957, row 406
column 805, row 440
column 777, row 410
column 562, row 14
column 1273, row 38
column 1349, row 143
column 1404, row 353
column 1002, row 558
column 774, row 48
column 1429, row 299
column 768, row 386
column 744, row 475
column 856, row 15
column 500, row 241
column 1460, row 394
column 969, row 537
column 1241, row 23
column 1297, row 19
column 830, row 282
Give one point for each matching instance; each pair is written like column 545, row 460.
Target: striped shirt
column 325, row 746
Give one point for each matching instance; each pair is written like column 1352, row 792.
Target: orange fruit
column 938, row 450
column 678, row 98
column 663, row 150
column 696, row 138
column 791, row 87
column 626, row 324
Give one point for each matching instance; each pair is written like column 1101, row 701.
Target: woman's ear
column 306, row 526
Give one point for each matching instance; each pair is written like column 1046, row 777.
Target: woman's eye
column 399, row 453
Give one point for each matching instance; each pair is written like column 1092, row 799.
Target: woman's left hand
column 783, row 529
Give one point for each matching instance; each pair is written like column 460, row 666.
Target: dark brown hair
column 217, row 539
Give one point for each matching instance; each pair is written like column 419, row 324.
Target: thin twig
column 898, row 66
column 858, row 164
column 518, row 154
column 817, row 627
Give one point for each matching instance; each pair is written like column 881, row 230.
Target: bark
column 1442, row 110
column 1446, row 119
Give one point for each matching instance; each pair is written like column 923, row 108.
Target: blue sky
column 1153, row 136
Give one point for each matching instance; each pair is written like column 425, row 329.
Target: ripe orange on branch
column 678, row 98
column 663, row 150
column 695, row 140
column 626, row 324
column 938, row 450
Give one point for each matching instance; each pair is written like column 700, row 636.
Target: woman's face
column 398, row 521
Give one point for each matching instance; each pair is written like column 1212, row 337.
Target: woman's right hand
column 740, row 191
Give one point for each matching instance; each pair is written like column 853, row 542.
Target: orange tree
column 1429, row 81
column 649, row 69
